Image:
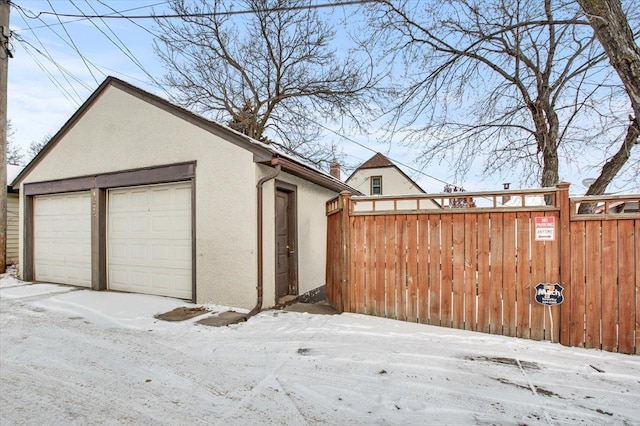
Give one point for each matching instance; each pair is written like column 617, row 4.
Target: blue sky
column 56, row 67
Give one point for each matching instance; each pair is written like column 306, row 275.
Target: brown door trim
column 290, row 191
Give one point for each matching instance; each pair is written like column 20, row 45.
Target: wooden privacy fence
column 420, row 259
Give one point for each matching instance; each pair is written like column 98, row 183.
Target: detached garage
column 138, row 195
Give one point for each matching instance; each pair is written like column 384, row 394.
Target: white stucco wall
column 393, row 182
column 121, row 132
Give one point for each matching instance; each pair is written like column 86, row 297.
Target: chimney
column 334, row 169
column 505, row 198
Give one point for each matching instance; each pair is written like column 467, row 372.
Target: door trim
column 292, row 215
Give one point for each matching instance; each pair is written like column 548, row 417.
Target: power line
column 76, row 47
column 35, row 16
column 203, row 15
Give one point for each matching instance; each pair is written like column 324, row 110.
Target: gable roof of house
column 263, row 153
column 379, row 161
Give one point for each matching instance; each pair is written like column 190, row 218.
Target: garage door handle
column 291, row 251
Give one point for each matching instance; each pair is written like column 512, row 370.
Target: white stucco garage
column 136, row 194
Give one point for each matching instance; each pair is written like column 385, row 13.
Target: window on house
column 376, row 185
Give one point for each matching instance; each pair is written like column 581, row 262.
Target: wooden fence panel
column 424, row 267
column 470, row 270
column 446, row 271
column 509, row 274
column 334, row 259
column 390, row 262
column 401, row 268
column 369, row 261
column 552, row 275
column 412, row 268
column 629, row 279
column 477, row 270
column 578, row 282
column 537, row 276
column 358, row 288
column 435, row 272
column 628, row 239
column 484, row 283
column 380, row 232
column 523, row 274
column 637, row 289
column 593, row 290
column 609, row 263
column 496, row 265
column 457, row 300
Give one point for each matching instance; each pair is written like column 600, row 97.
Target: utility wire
column 75, row 47
column 202, row 15
column 119, row 44
column 50, row 57
column 27, row 48
column 35, row 16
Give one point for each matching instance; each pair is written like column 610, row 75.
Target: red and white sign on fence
column 545, row 228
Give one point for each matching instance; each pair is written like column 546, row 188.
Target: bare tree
column 521, row 84
column 35, row 147
column 612, row 29
column 270, row 74
column 14, row 153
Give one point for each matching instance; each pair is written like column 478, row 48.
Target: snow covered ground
column 72, row 356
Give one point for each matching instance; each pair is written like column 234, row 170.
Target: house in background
column 12, row 252
column 380, row 176
column 136, row 194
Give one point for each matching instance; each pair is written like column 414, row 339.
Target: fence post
column 345, row 246
column 564, row 236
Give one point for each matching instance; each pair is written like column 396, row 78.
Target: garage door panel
column 149, row 240
column 62, row 238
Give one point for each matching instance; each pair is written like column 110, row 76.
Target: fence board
column 358, row 295
column 496, row 263
column 401, row 268
column 470, row 269
column 523, row 275
column 637, row 262
column 509, row 275
column 380, row 267
column 593, row 291
column 537, row 277
column 626, row 280
column 370, row 272
column 578, row 291
column 609, row 262
column 423, row 269
column 446, row 272
column 412, row 268
column 435, row 278
column 552, row 275
column 484, row 283
column 458, row 271
column 334, row 255
column 390, row 264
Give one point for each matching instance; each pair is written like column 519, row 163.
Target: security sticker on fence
column 549, row 294
column 545, row 228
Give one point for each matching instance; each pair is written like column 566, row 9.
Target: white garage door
column 62, row 238
column 149, row 240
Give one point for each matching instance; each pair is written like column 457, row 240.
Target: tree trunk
column 612, row 29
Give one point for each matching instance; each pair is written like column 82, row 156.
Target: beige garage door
column 149, row 240
column 62, row 238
